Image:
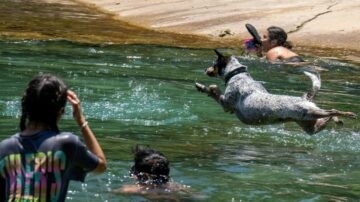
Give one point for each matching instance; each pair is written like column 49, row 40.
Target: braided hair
column 44, row 96
column 278, row 34
column 151, row 167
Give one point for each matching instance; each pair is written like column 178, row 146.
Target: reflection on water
column 135, row 94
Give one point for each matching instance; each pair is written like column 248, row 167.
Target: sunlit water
column 145, row 95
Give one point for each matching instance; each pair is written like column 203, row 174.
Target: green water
column 135, row 94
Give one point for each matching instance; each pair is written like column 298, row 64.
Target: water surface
column 137, row 94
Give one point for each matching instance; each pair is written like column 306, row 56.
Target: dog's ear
column 218, row 53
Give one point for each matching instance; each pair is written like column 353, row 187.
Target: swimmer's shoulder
column 275, row 53
column 280, row 53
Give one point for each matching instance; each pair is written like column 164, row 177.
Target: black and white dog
column 254, row 105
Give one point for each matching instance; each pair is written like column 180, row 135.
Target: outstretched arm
column 89, row 137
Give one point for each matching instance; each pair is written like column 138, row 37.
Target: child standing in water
column 276, row 47
column 37, row 163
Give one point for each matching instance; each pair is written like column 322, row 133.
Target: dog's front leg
column 214, row 92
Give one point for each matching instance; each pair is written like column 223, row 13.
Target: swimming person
column 151, row 171
column 37, row 163
column 276, row 47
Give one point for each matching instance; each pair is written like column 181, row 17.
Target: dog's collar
column 233, row 73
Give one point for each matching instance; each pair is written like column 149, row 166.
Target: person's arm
column 89, row 137
column 128, row 189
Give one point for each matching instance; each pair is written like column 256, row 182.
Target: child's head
column 151, row 167
column 43, row 101
column 278, row 36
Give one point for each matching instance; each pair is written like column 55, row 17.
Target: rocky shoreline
column 313, row 26
column 321, row 28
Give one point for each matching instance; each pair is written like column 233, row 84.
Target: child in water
column 276, row 47
column 151, row 171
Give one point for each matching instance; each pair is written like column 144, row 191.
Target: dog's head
column 223, row 65
column 217, row 69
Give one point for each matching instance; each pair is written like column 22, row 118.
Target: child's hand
column 75, row 102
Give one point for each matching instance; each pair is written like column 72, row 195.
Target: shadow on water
column 138, row 94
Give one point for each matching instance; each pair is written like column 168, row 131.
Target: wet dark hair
column 44, row 96
column 278, row 34
column 151, row 167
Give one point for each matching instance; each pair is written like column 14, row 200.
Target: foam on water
column 139, row 106
column 10, row 108
column 328, row 140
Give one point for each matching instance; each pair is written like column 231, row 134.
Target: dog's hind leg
column 331, row 113
column 323, row 117
column 321, row 123
column 312, row 127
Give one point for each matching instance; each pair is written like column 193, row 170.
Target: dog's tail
column 316, row 84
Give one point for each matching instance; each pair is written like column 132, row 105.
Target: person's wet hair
column 278, row 34
column 44, row 97
column 150, row 167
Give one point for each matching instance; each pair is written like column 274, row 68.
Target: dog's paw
column 337, row 121
column 352, row 115
column 214, row 87
column 202, row 88
column 214, row 90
